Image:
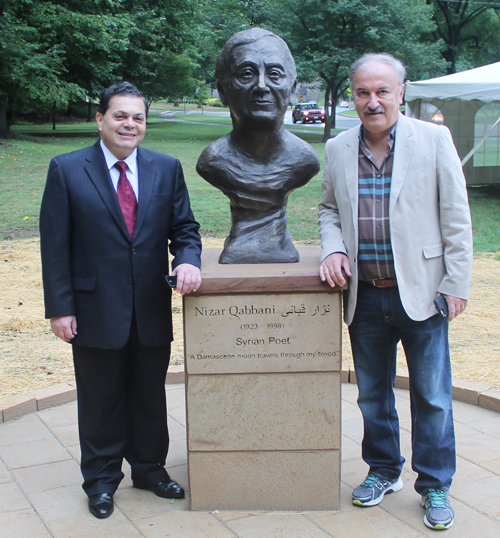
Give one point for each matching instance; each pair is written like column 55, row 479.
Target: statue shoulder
column 301, row 151
column 213, row 156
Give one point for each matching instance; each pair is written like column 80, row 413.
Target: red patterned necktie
column 126, row 198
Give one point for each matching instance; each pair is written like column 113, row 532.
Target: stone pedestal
column 263, row 360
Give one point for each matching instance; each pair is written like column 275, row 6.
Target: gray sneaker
column 371, row 492
column 439, row 514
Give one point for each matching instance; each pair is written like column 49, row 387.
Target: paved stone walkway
column 41, row 495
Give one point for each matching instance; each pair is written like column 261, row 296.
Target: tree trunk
column 332, row 93
column 4, row 126
column 335, row 100
column 450, row 55
column 328, row 114
column 54, row 116
column 333, row 110
column 89, row 112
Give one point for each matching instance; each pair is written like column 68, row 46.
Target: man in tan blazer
column 395, row 221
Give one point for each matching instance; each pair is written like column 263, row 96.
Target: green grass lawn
column 349, row 113
column 197, row 118
column 24, row 161
column 161, row 105
column 485, row 210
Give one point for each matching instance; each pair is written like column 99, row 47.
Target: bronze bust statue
column 259, row 163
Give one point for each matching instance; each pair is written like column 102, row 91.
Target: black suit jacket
column 91, row 267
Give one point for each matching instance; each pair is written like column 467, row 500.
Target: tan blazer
column 430, row 223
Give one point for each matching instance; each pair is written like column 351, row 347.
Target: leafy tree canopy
column 326, row 36
column 470, row 31
column 58, row 51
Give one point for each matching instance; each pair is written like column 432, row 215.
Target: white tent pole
column 480, row 143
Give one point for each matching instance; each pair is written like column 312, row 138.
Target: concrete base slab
column 275, row 480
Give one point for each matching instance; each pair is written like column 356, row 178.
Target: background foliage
column 54, row 53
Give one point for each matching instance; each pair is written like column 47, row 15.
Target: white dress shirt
column 132, row 171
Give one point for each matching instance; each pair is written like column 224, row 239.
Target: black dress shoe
column 167, row 489
column 101, row 505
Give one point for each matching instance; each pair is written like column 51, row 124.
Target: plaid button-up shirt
column 374, row 183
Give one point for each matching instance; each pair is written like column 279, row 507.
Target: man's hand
column 455, row 306
column 334, row 268
column 188, row 278
column 64, row 327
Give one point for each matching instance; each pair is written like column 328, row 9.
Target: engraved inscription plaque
column 262, row 357
column 248, row 333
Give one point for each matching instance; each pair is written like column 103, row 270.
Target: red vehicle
column 308, row 112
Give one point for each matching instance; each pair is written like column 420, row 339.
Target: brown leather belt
column 385, row 283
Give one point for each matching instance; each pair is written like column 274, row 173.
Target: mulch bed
column 31, row 357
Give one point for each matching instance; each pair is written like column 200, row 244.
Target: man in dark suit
column 109, row 215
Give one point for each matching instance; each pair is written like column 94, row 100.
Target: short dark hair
column 124, row 88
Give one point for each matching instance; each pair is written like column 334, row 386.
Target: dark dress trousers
column 115, row 287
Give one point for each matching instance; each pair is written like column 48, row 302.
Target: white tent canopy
column 481, row 83
column 468, row 103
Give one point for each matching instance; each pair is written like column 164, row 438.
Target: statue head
column 256, row 77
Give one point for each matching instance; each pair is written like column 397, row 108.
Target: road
column 342, row 122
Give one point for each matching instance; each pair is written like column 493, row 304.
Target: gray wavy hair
column 382, row 57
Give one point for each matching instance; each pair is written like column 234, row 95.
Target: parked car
column 308, row 112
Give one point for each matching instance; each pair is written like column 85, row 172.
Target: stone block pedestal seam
column 263, row 377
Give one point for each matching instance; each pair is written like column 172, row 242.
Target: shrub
column 213, row 101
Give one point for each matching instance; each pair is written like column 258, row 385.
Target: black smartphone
column 441, row 306
column 171, row 281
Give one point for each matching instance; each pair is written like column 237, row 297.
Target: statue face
column 259, row 86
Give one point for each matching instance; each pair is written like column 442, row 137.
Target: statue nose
column 262, row 83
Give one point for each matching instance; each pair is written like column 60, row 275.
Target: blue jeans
column 379, row 323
